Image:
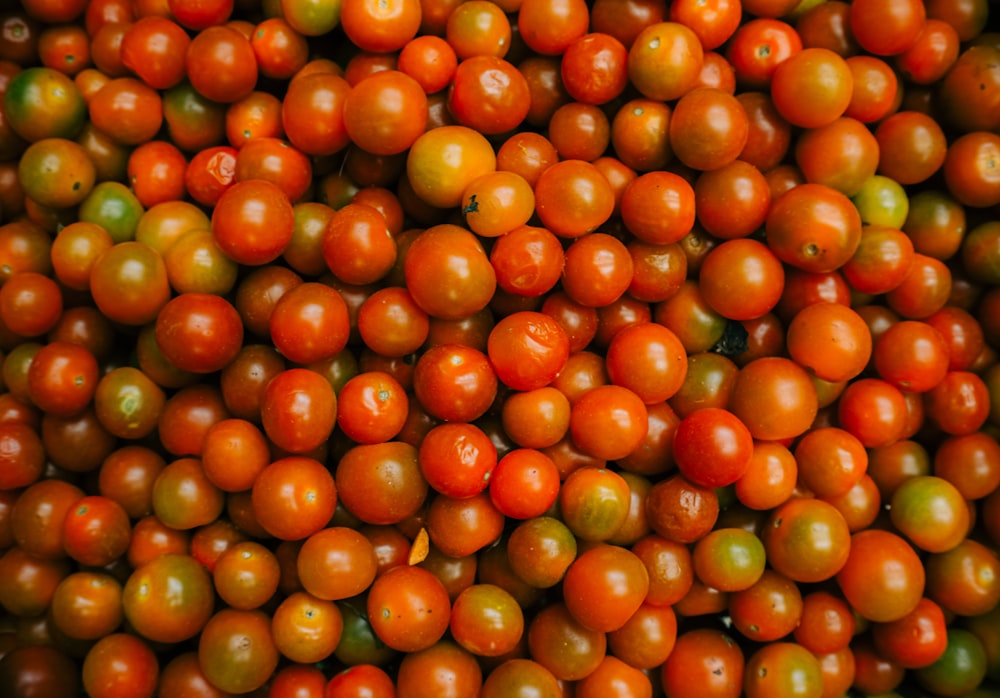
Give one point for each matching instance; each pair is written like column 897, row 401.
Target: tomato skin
column 455, row 382
column 44, row 103
column 294, row 497
column 96, row 530
column 120, row 664
column 741, row 279
column 782, row 668
column 437, row 269
column 806, row 540
column 812, row 88
column 440, row 181
column 62, row 378
column 129, row 283
column 199, row 332
column 705, row 662
column 237, row 671
column 488, row 94
column 169, row 599
column 813, row 227
column 917, row 639
column 664, row 60
column 883, row 579
column 712, row 448
column 409, row 608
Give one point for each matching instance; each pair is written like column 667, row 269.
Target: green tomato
column 882, row 201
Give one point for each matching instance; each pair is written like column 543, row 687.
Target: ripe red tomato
column 883, row 578
column 294, row 497
column 409, row 608
column 712, row 447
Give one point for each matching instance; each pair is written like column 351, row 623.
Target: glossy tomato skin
column 242, row 232
column 199, row 332
column 169, row 599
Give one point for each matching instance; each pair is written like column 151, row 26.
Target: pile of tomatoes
column 499, row 348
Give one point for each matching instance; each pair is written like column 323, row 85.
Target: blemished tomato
column 704, row 662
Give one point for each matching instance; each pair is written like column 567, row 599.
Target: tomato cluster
column 499, row 348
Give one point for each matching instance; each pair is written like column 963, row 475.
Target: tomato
column 385, row 113
column 729, row 559
column 35, row 519
column 127, row 108
column 925, row 633
column 969, row 169
column 187, row 415
column 253, row 222
column 360, row 680
column 708, row 149
column 408, row 608
column 199, row 332
column 741, row 279
column 488, row 94
column 961, row 666
column 486, row 620
column 680, row 510
column 438, row 180
column 438, row 272
column 44, row 103
column 521, row 676
column 443, row 669
column 457, row 459
column 964, row 579
column 786, row 389
column 806, row 540
column 609, row 422
column 875, row 91
column 96, row 530
column 454, row 382
column 294, row 497
column 462, row 527
column 580, row 650
column 883, row 579
column 827, row 623
column 306, row 629
column 704, row 662
column 900, row 22
column 658, row 208
column 120, row 664
column 310, row 323
column 273, row 160
column 610, row 572
column 573, row 198
column 958, row 403
column 68, row 172
column 664, row 60
column 597, row 270
column 812, row 88
column 40, row 669
column 169, row 598
column 252, row 665
column 183, row 498
column 782, row 669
